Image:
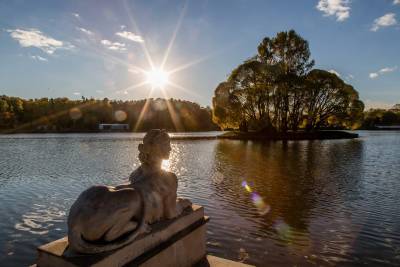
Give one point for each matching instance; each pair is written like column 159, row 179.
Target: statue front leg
column 182, row 204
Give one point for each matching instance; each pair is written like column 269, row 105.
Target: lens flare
column 262, row 207
column 75, row 113
column 246, row 186
column 120, row 115
column 283, row 229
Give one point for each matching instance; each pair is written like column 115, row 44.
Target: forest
column 66, row 115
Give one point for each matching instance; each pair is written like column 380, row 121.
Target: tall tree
column 291, row 52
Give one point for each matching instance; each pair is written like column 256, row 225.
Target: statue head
column 156, row 147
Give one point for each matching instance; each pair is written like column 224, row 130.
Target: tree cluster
column 277, row 90
column 65, row 115
column 381, row 117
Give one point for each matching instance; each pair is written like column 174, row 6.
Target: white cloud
column 382, row 71
column 373, row 75
column 120, row 92
column 113, row 46
column 76, row 15
column 106, row 42
column 123, row 26
column 385, row 21
column 388, row 69
column 86, row 31
column 396, row 2
column 334, row 72
column 338, row 8
column 35, row 38
column 130, row 36
column 77, row 93
column 39, row 58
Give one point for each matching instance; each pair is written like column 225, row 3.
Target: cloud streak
column 374, row 75
column 130, row 36
column 86, row 31
column 386, row 20
column 35, row 38
column 115, row 46
column 338, row 8
column 39, row 58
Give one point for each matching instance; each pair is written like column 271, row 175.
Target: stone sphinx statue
column 104, row 218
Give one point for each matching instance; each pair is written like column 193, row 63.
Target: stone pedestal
column 177, row 242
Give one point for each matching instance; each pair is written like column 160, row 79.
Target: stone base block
column 177, row 242
column 212, row 261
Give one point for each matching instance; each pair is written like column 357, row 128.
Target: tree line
column 66, row 115
column 381, row 117
column 278, row 90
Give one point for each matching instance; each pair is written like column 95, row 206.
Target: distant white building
column 113, row 127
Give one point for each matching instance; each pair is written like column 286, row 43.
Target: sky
column 99, row 48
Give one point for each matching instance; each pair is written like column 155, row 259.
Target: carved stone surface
column 105, row 218
column 177, row 242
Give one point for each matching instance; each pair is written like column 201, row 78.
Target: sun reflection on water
column 40, row 219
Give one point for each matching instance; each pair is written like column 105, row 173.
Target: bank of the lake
column 233, row 135
column 300, row 135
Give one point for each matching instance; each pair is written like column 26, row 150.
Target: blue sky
column 98, row 48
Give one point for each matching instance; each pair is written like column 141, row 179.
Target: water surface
column 330, row 203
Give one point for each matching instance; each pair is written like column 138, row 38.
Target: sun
column 158, row 78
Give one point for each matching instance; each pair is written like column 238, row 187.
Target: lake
column 330, row 203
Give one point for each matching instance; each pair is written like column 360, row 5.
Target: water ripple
column 330, row 203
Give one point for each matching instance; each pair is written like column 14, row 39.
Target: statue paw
column 146, row 228
column 184, row 203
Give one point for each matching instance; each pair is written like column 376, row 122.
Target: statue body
column 104, row 218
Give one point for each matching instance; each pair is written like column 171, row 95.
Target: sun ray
column 92, row 50
column 134, row 86
column 50, row 117
column 143, row 111
column 174, row 117
column 171, row 42
column 187, row 65
column 204, row 58
column 183, row 89
column 134, row 24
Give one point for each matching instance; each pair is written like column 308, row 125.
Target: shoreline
column 290, row 136
column 229, row 135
